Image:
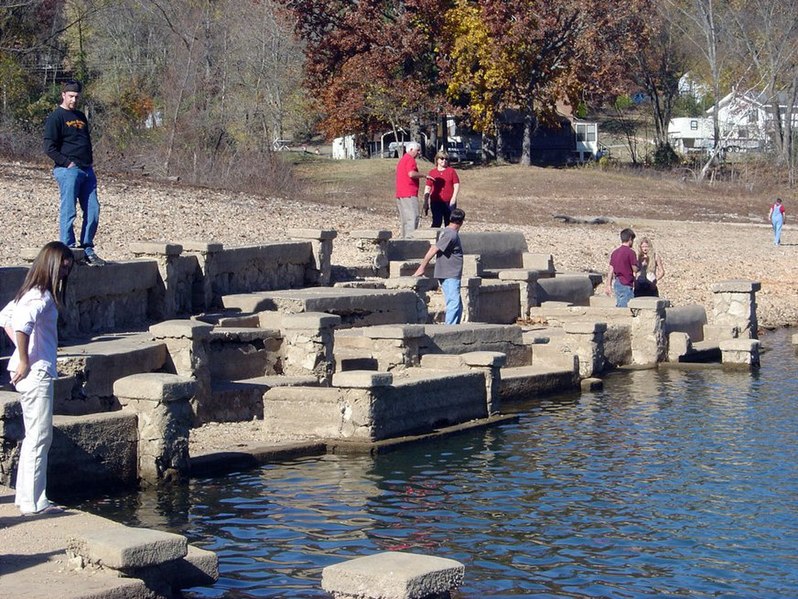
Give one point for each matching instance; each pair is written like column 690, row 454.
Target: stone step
column 525, row 382
column 702, row 351
column 242, row 400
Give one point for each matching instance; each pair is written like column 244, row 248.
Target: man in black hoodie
column 67, row 141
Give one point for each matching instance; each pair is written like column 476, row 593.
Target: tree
column 656, row 67
column 766, row 32
column 533, row 54
column 370, row 62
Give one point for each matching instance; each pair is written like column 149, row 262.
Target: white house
column 343, row 148
column 745, row 119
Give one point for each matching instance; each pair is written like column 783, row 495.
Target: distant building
column 745, row 119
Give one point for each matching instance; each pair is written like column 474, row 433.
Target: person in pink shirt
column 407, row 185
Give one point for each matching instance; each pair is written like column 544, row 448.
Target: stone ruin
column 192, row 333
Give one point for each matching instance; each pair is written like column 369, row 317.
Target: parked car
column 456, row 151
column 395, row 149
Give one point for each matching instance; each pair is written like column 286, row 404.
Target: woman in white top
column 31, row 320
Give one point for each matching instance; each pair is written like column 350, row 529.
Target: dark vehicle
column 456, row 151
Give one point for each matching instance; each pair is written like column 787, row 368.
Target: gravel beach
column 696, row 253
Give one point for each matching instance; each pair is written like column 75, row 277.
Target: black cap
column 71, row 85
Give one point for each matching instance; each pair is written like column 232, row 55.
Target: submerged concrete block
column 393, row 575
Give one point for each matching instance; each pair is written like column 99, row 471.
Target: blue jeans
column 78, row 186
column 454, row 303
column 777, row 222
column 623, row 293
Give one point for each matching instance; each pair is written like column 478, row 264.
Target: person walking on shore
column 67, row 141
column 448, row 253
column 776, row 216
column 31, row 321
column 623, row 267
column 407, row 186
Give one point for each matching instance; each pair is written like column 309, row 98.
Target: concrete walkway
column 34, row 563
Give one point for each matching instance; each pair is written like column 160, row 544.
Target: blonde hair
column 442, row 154
column 45, row 272
column 652, row 255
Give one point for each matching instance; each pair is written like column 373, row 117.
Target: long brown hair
column 45, row 273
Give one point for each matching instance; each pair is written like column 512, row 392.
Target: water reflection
column 666, row 483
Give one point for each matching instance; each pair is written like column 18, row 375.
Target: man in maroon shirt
column 623, row 267
column 407, row 185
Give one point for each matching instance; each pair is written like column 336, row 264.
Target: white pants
column 36, row 392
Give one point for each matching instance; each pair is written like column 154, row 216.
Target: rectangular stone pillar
column 206, row 255
column 167, row 255
column 321, row 242
column 489, row 363
column 422, row 287
column 373, row 249
column 735, row 306
column 162, row 404
column 469, row 291
column 187, row 344
column 528, row 285
column 309, row 343
column 740, row 352
column 586, row 341
column 395, row 347
column 649, row 340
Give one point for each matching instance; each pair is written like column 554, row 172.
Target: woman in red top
column 440, row 192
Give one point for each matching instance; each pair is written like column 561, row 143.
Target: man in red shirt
column 623, row 266
column 407, row 185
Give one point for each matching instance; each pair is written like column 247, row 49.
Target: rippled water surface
column 666, row 483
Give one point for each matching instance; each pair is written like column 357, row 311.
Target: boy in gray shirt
column 448, row 254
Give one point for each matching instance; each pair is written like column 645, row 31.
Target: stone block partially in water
column 393, row 575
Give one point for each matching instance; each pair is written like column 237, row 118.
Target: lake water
column 667, row 483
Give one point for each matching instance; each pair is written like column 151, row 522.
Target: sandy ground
column 702, row 240
column 699, row 246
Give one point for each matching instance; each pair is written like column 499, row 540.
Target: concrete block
column 497, row 249
column 155, row 386
column 362, row 379
column 591, row 384
column 202, row 247
column 679, row 345
column 539, row 262
column 519, row 274
column 484, row 358
column 99, row 449
column 584, row 328
column 442, row 362
column 393, row 575
column 156, row 248
column 126, row 548
column 181, row 329
column 401, row 331
column 738, row 286
column 684, row 319
column 310, row 321
column 318, row 234
column 575, row 289
column 375, row 234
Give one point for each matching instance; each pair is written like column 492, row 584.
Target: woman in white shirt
column 31, row 320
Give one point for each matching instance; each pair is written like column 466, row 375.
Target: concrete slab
column 393, row 575
column 35, row 565
column 136, row 548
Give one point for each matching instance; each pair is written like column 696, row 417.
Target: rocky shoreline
column 696, row 254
